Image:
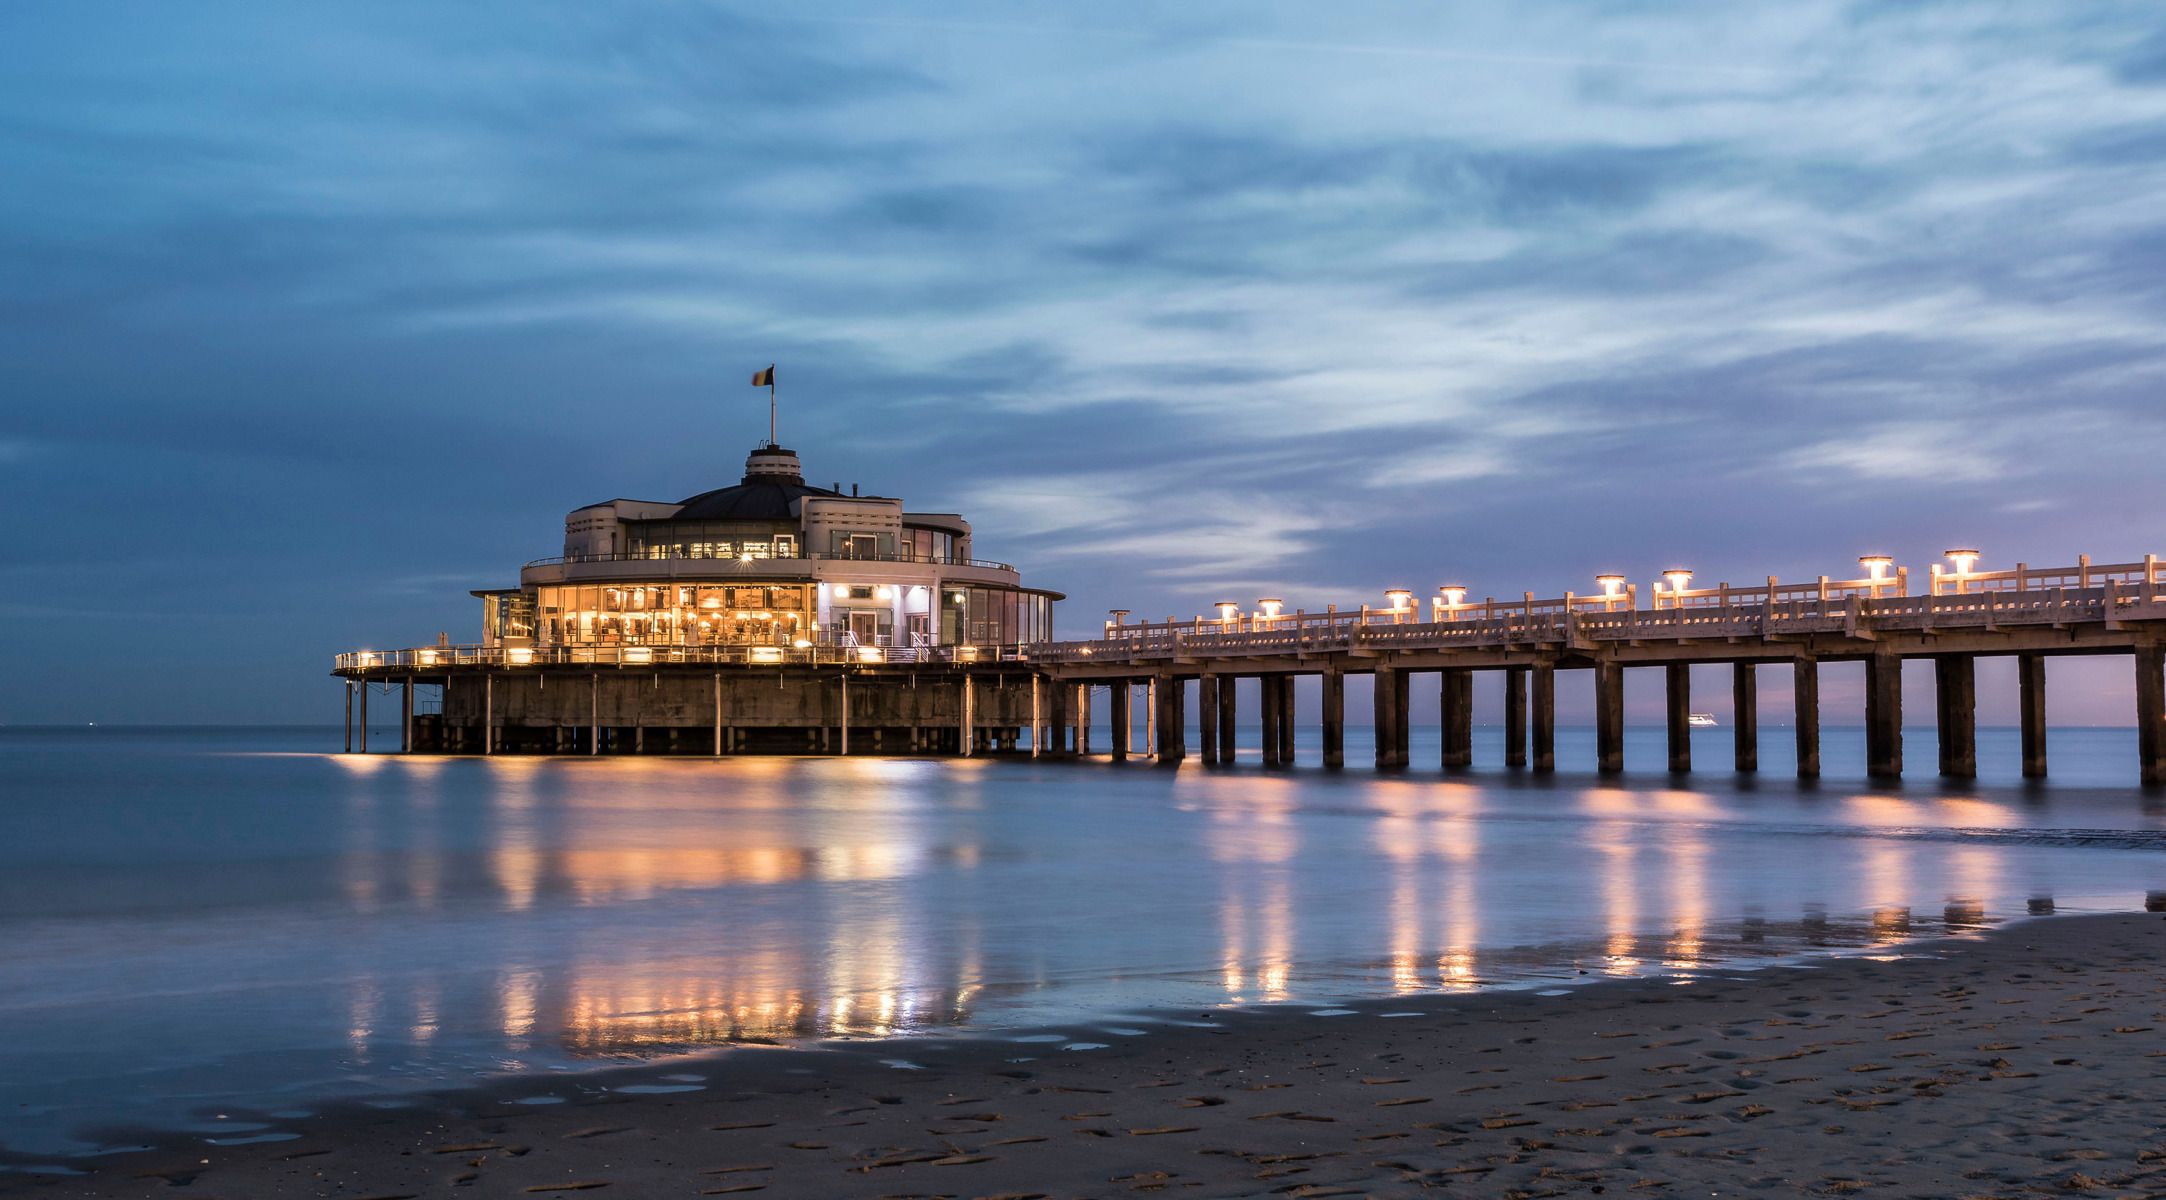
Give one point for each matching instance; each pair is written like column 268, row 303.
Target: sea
column 211, row 933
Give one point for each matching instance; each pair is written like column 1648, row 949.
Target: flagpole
column 771, row 404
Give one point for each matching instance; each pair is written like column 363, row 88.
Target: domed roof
column 773, row 482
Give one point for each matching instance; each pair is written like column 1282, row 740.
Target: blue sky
column 318, row 316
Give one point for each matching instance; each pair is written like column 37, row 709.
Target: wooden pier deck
column 2028, row 613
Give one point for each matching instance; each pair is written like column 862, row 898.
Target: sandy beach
column 2013, row 1063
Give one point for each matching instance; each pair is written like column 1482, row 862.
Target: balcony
column 754, row 560
column 434, row 659
column 752, row 552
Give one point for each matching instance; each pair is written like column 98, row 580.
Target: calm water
column 227, row 922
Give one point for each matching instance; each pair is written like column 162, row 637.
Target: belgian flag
column 764, row 378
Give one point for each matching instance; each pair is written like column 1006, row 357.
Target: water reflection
column 1251, row 836
column 392, row 923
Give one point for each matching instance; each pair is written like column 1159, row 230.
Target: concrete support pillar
column 1383, row 694
column 1884, row 716
column 364, row 716
column 718, row 714
column 1268, row 707
column 1037, row 716
column 1082, row 716
column 1286, row 720
column 1207, row 718
column 1543, row 705
column 488, row 715
column 1608, row 717
column 349, row 716
column 1677, row 691
column 1172, row 720
column 406, row 717
column 967, row 735
column 1123, row 722
column 1391, row 719
column 2031, row 684
column 842, row 710
column 1455, row 697
column 1402, row 710
column 1745, row 716
column 594, row 713
column 1150, row 705
column 1955, row 696
column 1334, row 719
column 1226, row 740
column 2150, row 713
column 1056, row 716
column 1805, row 693
column 1515, row 716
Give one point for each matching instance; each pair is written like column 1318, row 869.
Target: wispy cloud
column 1170, row 302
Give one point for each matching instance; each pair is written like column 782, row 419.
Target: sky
column 316, row 317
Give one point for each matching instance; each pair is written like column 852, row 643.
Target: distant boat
column 1701, row 720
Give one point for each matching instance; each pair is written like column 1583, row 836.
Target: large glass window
column 674, row 614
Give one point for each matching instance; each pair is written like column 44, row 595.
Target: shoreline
column 2020, row 1054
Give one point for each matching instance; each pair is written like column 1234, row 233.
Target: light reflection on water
column 208, row 917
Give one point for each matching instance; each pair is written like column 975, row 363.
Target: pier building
column 767, row 615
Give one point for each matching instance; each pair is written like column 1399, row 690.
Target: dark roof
column 753, row 500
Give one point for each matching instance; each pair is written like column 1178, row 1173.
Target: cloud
column 1169, row 303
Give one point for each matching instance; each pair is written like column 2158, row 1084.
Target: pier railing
column 427, row 659
column 749, row 552
column 2085, row 592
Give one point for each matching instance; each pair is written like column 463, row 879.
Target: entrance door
column 865, row 628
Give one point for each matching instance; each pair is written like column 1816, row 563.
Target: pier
column 774, row 616
column 1962, row 614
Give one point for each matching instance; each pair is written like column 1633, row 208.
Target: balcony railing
column 441, row 658
column 750, row 552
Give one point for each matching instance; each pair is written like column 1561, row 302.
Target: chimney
column 853, row 491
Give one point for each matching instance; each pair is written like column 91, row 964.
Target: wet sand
column 2026, row 1061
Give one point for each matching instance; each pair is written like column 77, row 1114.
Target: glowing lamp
column 1964, row 560
column 1455, row 594
column 771, row 654
column 520, row 656
column 1229, row 610
column 1269, row 606
column 1678, row 577
column 632, row 654
column 883, row 592
column 1611, row 585
column 1399, row 598
column 802, row 644
column 1876, row 565
column 871, row 654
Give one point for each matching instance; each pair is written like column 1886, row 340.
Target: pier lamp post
column 1267, row 609
column 1963, row 560
column 1401, row 600
column 1229, row 611
column 1114, row 620
column 1876, row 570
column 1449, row 598
column 1678, row 577
column 1612, row 588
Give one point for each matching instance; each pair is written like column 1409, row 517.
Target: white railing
column 2022, row 596
column 442, row 658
